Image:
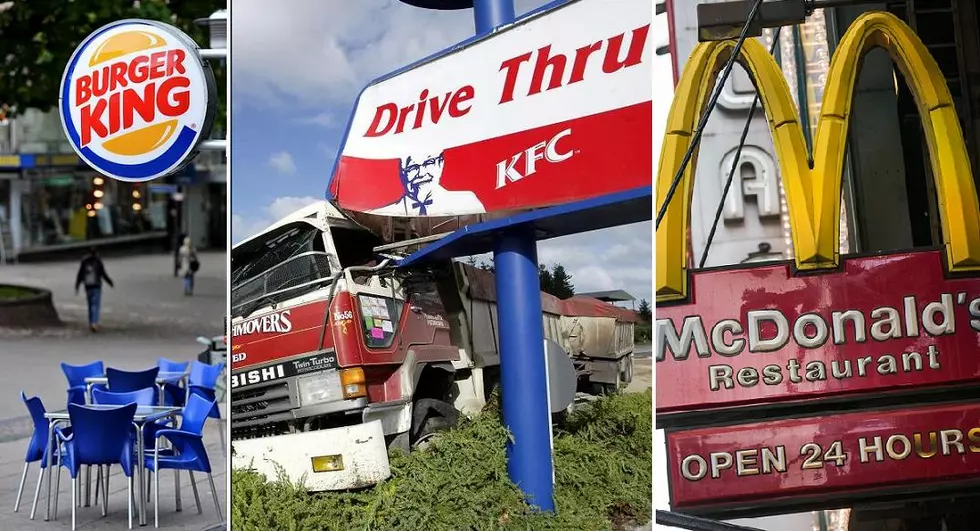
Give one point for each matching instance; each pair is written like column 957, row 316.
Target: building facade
column 50, row 201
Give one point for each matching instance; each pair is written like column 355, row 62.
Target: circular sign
column 136, row 99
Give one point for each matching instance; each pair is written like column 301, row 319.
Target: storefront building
column 51, row 202
column 891, row 204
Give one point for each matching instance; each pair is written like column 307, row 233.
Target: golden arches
column 813, row 195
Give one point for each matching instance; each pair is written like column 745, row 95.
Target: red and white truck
column 336, row 358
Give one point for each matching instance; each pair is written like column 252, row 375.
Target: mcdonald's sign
column 824, row 327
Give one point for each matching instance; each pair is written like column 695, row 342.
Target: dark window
column 264, row 270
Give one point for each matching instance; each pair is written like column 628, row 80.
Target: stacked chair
column 102, row 435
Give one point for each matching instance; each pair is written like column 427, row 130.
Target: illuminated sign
column 136, row 99
column 529, row 116
column 806, row 460
column 760, row 336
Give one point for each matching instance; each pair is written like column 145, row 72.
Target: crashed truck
column 337, row 356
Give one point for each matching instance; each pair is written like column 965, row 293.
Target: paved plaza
column 144, row 317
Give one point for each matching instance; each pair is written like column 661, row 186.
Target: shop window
column 65, row 207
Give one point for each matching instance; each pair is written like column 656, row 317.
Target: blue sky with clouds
column 297, row 66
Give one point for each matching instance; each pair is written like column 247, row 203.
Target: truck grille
column 263, row 406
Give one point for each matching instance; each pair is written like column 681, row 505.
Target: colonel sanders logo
column 423, row 195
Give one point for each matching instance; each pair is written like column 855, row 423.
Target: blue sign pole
column 523, row 377
column 524, row 380
column 489, row 14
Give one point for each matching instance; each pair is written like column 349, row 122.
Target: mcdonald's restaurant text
column 770, row 331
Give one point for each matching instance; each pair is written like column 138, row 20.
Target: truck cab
column 327, row 350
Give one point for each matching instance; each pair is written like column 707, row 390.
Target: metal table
column 144, row 414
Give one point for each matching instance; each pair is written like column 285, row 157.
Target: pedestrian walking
column 188, row 265
column 91, row 273
column 176, row 246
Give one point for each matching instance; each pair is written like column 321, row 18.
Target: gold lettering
column 917, row 437
column 974, row 436
column 746, row 462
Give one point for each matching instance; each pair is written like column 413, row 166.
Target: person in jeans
column 91, row 273
column 177, row 246
column 188, row 265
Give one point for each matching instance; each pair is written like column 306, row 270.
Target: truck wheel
column 612, row 388
column 628, row 371
column 431, row 416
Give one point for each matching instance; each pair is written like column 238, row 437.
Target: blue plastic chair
column 36, row 448
column 143, row 397
column 205, row 375
column 76, row 375
column 186, row 452
column 101, row 437
column 121, row 381
column 202, row 382
column 166, row 365
column 173, row 394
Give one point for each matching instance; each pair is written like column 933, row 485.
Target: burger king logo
column 136, row 99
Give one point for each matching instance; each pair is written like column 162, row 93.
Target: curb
column 34, row 311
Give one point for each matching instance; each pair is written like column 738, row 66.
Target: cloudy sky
column 298, row 66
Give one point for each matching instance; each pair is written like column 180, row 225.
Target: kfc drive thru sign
column 530, row 116
column 136, row 99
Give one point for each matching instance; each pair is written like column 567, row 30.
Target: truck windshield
column 283, row 264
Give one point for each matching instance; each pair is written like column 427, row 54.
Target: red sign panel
column 762, row 336
column 533, row 115
column 868, row 452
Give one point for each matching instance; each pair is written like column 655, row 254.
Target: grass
column 15, row 292
column 603, row 482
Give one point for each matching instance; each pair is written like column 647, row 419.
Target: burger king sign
column 136, row 99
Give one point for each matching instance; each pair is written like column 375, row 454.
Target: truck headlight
column 319, row 388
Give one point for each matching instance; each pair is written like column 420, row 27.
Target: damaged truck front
column 336, row 358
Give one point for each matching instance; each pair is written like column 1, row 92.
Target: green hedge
column 602, row 465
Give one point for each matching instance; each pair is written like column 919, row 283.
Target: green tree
column 556, row 281
column 561, row 282
column 544, row 278
column 39, row 36
column 645, row 312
